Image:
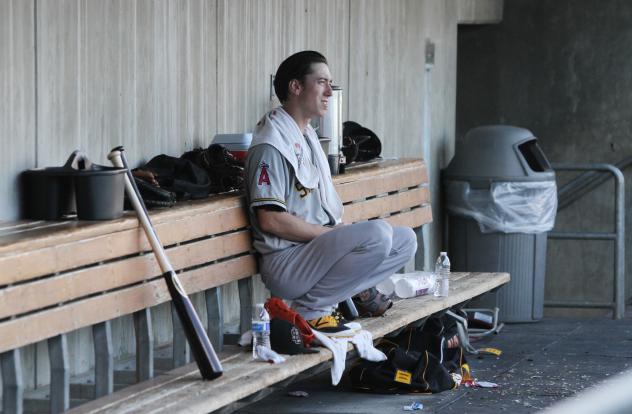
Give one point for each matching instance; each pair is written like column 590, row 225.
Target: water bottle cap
column 443, row 253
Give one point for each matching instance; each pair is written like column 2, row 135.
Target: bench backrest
column 56, row 277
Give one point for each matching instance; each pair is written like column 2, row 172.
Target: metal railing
column 584, row 183
column 573, row 191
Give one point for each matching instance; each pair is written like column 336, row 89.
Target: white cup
column 387, row 286
column 408, row 287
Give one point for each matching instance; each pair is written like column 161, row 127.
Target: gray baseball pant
column 337, row 265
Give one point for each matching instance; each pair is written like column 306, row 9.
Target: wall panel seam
column 35, row 84
column 217, row 34
column 348, row 57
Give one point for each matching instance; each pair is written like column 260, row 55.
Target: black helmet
column 366, row 142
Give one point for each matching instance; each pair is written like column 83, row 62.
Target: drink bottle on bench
column 442, row 270
column 260, row 329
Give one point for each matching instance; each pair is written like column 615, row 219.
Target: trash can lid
column 499, row 153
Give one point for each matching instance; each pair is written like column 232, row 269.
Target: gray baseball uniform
column 330, row 268
column 270, row 180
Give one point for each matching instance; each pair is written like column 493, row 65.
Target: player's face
column 315, row 91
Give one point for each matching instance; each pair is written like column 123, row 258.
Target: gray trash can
column 501, row 200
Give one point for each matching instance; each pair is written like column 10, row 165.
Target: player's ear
column 295, row 87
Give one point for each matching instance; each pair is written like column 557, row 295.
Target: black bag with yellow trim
column 418, row 362
column 402, row 372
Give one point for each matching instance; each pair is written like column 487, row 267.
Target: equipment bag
column 180, row 176
column 418, row 362
column 223, row 169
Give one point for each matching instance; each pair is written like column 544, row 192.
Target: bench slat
column 43, row 233
column 377, row 207
column 16, row 228
column 59, row 233
column 378, row 169
column 114, row 304
column 24, row 265
column 242, row 377
column 395, row 180
column 20, row 299
column 412, row 218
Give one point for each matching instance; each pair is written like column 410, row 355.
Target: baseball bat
column 201, row 347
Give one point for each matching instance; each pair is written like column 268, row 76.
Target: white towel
column 339, row 349
column 278, row 128
column 363, row 341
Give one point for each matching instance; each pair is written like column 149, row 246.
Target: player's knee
column 409, row 239
column 382, row 236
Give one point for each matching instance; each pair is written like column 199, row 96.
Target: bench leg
column 12, row 382
column 181, row 351
column 59, row 374
column 103, row 359
column 245, row 304
column 144, row 332
column 215, row 315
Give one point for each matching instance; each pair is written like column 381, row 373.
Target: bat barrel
column 207, row 361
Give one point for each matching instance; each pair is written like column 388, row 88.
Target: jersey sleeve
column 267, row 177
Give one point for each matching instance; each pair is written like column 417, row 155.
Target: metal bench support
column 245, row 304
column 181, row 351
column 103, row 359
column 12, row 382
column 215, row 314
column 59, row 374
column 144, row 332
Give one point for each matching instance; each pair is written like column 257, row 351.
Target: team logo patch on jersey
column 264, row 178
column 304, row 192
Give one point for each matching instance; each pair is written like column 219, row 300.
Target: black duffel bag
column 418, row 362
column 179, row 176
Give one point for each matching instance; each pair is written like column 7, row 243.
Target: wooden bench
column 56, row 277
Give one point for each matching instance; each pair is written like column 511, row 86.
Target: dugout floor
column 541, row 363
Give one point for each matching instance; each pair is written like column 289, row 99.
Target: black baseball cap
column 285, row 338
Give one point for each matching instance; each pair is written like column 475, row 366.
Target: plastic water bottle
column 442, row 270
column 260, row 329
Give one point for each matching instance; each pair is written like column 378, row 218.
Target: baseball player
column 306, row 253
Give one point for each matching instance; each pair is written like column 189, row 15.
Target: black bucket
column 94, row 191
column 99, row 192
column 48, row 193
